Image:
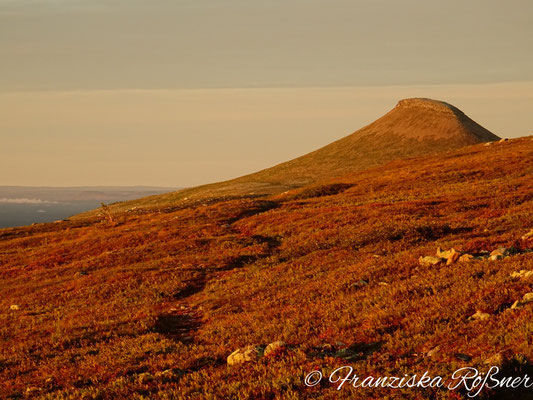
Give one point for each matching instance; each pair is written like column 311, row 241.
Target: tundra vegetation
column 150, row 302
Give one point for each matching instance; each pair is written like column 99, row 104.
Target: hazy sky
column 186, row 92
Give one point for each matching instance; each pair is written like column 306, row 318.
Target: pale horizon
column 177, row 94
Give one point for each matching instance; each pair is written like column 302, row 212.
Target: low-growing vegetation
column 150, row 303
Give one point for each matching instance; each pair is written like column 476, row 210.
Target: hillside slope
column 152, row 303
column 415, row 127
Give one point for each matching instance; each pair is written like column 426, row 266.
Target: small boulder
column 430, row 260
column 274, row 347
column 453, row 256
column 167, row 375
column 466, row 258
column 526, row 299
column 500, row 251
column 242, row 355
column 528, row 235
column 479, row 316
column 32, row 390
column 523, row 273
column 441, row 253
column 495, row 257
column 14, row 307
column 433, row 351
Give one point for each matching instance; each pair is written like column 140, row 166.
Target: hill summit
column 415, row 127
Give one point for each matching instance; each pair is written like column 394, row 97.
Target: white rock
column 429, row 260
column 479, row 316
column 242, row 355
column 433, row 351
column 500, row 251
column 273, row 347
column 523, row 273
column 528, row 235
column 526, row 299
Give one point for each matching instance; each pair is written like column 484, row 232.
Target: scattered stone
column 528, row 235
column 31, row 390
column 14, row 307
column 145, row 377
column 503, row 140
column 500, row 251
column 429, row 260
column 433, row 351
column 466, row 258
column 274, row 347
column 383, row 283
column 487, row 144
column 479, row 316
column 495, row 257
column 442, row 254
column 523, row 273
column 453, row 256
column 167, row 375
column 242, row 355
column 528, row 298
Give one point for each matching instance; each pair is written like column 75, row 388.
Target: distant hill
column 415, row 127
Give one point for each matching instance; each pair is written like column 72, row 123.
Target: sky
column 179, row 93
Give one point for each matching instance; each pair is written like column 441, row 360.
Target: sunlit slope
column 149, row 303
column 414, row 127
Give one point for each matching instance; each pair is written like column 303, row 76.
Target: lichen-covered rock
column 500, row 251
column 528, row 235
column 466, row 258
column 451, row 255
column 167, row 375
column 523, row 273
column 528, row 298
column 433, row 351
column 242, row 355
column 479, row 316
column 274, row 347
column 430, row 260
